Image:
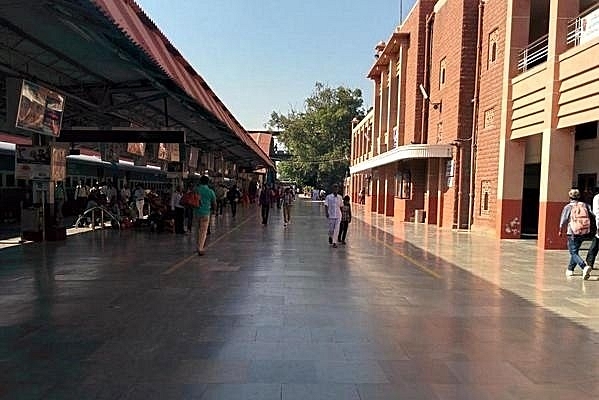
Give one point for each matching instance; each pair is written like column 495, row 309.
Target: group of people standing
column 269, row 196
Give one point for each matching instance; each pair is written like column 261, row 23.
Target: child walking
column 345, row 219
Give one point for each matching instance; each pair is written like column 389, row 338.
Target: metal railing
column 534, row 54
column 102, row 211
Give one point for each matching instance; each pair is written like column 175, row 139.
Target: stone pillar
column 390, row 171
column 380, row 207
column 431, row 196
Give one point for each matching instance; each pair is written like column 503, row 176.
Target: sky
column 262, row 56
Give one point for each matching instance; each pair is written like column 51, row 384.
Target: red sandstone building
column 485, row 114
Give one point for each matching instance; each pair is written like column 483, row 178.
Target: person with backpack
column 576, row 217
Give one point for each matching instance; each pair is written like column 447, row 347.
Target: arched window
column 493, row 47
column 442, row 72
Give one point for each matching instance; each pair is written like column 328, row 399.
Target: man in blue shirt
column 207, row 203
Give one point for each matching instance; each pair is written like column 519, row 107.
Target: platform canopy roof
column 117, row 69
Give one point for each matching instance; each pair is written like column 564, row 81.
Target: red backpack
column 190, row 199
column 580, row 221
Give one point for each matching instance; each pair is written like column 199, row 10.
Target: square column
column 557, row 164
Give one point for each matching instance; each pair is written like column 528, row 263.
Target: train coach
column 86, row 168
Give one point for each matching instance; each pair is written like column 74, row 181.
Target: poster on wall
column 40, row 109
column 32, row 162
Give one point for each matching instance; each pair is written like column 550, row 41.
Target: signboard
column 449, row 168
column 168, row 152
column 32, row 162
column 58, row 166
column 40, row 109
column 164, row 152
column 174, row 150
column 589, row 26
column 136, row 148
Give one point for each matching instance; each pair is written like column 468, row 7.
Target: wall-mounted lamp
column 436, row 106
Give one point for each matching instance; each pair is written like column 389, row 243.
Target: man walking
column 207, row 203
column 264, row 201
column 576, row 216
column 287, row 202
column 332, row 207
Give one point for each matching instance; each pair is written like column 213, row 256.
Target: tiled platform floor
column 401, row 312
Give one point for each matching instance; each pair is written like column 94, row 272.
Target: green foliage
column 319, row 137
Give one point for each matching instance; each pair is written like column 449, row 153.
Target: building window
column 489, row 121
column 442, row 72
column 485, row 198
column 586, row 131
column 493, row 47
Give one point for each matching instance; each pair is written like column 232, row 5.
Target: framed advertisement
column 139, row 149
column 40, row 109
column 58, row 166
column 32, row 162
column 164, row 152
column 174, row 152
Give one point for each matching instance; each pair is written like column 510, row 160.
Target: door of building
column 530, row 201
column 586, row 185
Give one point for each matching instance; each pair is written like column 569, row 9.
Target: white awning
column 411, row 151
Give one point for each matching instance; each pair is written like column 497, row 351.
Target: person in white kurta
column 332, row 206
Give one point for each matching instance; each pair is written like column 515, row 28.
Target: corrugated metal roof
column 128, row 16
column 263, row 140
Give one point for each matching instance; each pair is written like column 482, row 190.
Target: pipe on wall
column 475, row 101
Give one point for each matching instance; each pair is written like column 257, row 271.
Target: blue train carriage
column 88, row 169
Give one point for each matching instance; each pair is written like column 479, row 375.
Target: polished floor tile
column 403, row 311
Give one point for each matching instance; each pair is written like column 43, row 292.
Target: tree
column 319, row 137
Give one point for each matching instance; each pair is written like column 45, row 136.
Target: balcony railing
column 585, row 27
column 534, row 54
